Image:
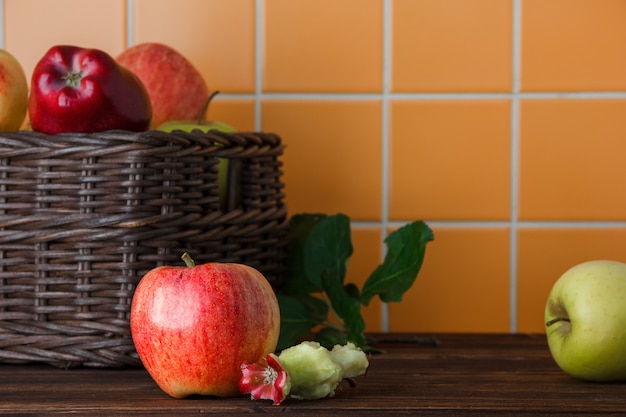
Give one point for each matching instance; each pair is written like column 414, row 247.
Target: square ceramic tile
column 451, row 45
column 573, row 45
column 545, row 254
column 239, row 113
column 367, row 243
column 450, row 160
column 31, row 27
column 217, row 36
column 463, row 285
column 323, row 45
column 332, row 157
column 572, row 154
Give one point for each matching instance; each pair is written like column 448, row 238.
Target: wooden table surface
column 465, row 375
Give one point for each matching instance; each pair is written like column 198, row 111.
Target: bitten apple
column 194, row 326
column 13, row 93
column 585, row 319
column 176, row 88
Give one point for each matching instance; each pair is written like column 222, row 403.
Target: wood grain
column 465, row 375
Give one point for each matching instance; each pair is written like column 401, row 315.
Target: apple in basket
column 203, row 125
column 176, row 88
column 85, row 90
column 13, row 93
column 193, row 326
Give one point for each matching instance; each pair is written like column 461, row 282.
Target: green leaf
column 295, row 321
column 300, row 226
column 352, row 290
column 316, row 308
column 330, row 336
column 327, row 250
column 319, row 248
column 348, row 308
column 406, row 248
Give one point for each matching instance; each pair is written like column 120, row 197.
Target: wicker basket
column 84, row 217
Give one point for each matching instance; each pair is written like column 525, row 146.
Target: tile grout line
column 130, row 28
column 547, row 95
column 386, row 33
column 258, row 61
column 515, row 167
column 486, row 224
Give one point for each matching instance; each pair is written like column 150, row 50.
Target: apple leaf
column 319, row 248
column 327, row 250
column 298, row 314
column 406, row 248
column 348, row 307
column 300, row 226
column 294, row 320
column 331, row 336
column 316, row 306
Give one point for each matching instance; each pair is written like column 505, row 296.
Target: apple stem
column 73, row 79
column 205, row 107
column 556, row 320
column 188, row 260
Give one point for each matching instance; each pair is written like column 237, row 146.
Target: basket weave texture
column 84, row 216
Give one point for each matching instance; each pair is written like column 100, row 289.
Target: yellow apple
column 585, row 320
column 13, row 93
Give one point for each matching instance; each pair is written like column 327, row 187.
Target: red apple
column 13, row 93
column 176, row 88
column 193, row 326
column 75, row 89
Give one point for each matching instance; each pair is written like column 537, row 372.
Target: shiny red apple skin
column 193, row 327
column 176, row 88
column 76, row 89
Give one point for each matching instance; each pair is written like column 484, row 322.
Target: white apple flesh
column 585, row 318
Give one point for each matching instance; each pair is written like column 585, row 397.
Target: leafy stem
column 319, row 248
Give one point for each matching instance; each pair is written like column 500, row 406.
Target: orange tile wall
column 502, row 123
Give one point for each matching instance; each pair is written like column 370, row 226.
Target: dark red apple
column 74, row 89
column 193, row 326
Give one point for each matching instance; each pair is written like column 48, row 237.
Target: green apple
column 585, row 320
column 227, row 200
